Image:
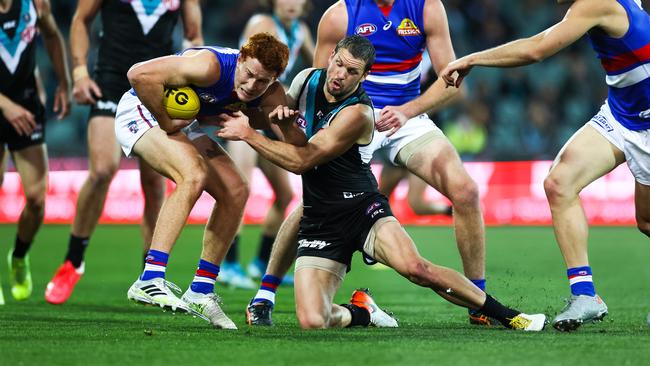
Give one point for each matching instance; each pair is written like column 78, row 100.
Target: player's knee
column 556, row 189
column 312, row 320
column 238, row 195
column 35, row 199
column 102, row 174
column 194, row 178
column 644, row 227
column 418, row 272
column 464, row 194
column 283, row 199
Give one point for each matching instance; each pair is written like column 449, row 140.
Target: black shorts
column 14, row 141
column 336, row 235
column 113, row 86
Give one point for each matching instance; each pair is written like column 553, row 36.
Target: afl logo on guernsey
column 366, row 29
column 408, row 28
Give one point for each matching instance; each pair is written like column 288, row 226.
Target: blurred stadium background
column 523, row 114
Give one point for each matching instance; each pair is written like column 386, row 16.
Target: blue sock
column 267, row 289
column 581, row 281
column 205, row 277
column 480, row 284
column 155, row 264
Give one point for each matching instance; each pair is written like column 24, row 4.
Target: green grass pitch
column 525, row 269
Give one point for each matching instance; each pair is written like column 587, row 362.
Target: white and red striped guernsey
column 626, row 61
column 399, row 40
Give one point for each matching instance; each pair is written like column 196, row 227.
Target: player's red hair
column 268, row 50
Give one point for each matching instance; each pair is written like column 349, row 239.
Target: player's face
column 251, row 79
column 344, row 74
column 289, row 9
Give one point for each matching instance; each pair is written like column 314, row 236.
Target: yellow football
column 181, row 103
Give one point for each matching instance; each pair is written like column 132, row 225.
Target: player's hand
column 86, row 91
column 19, row 118
column 460, row 68
column 61, row 102
column 283, row 114
column 234, row 126
column 391, row 119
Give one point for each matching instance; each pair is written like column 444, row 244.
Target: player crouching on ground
column 225, row 80
column 343, row 209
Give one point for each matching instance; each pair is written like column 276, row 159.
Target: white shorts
column 634, row 144
column 132, row 120
column 415, row 127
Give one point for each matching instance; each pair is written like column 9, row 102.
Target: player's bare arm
column 56, row 49
column 285, row 128
column 352, row 125
column 441, row 52
column 582, row 16
column 192, row 19
column 331, row 29
column 200, row 68
column 85, row 90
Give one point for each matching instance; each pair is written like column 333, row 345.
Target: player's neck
column 5, row 5
column 385, row 2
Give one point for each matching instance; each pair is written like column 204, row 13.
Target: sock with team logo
column 155, row 265
column 581, row 281
column 267, row 289
column 205, row 277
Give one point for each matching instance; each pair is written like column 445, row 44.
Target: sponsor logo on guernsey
column 208, row 98
column 315, row 244
column 602, row 122
column 408, row 28
column 348, row 195
column 9, row 25
column 388, row 25
column 301, row 121
column 373, row 206
column 107, row 105
column 645, row 114
column 133, row 127
column 366, row 29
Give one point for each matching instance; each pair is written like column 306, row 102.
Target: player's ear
column 364, row 76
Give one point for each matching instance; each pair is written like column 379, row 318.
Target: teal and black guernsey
column 346, row 179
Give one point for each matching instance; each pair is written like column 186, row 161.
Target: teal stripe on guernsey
column 311, row 102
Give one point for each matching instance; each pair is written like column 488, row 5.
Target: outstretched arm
column 349, row 126
column 441, row 53
column 580, row 18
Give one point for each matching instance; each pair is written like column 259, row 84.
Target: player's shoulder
column 593, row 8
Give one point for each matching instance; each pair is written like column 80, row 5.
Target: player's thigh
column 150, row 180
column 438, row 164
column 244, row 157
column 31, row 165
column 585, row 157
column 223, row 175
column 416, row 187
column 173, row 156
column 390, row 177
column 393, row 246
column 103, row 149
column 315, row 287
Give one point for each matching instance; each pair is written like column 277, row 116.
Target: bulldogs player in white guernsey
column 225, row 80
column 400, row 32
column 284, row 22
column 343, row 209
column 619, row 32
column 132, row 31
column 22, row 118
